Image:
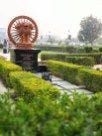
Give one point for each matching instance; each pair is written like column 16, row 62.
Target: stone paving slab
column 65, row 85
column 56, row 78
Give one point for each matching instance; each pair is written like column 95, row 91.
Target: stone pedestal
column 27, row 58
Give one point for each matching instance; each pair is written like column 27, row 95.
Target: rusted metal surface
column 23, row 32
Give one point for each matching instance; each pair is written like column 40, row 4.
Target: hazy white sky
column 52, row 16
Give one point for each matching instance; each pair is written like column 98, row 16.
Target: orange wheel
column 13, row 34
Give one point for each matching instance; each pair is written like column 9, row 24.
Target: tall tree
column 91, row 29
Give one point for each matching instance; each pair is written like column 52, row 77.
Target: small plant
column 100, row 49
column 88, row 49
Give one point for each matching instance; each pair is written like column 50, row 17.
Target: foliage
column 91, row 29
column 88, row 49
column 41, row 110
column 100, row 49
column 60, row 48
column 86, row 61
column 66, row 71
column 62, row 56
column 5, row 68
column 52, row 55
column 92, row 79
column 68, row 116
column 28, row 85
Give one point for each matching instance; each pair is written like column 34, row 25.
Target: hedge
column 28, row 85
column 53, row 56
column 86, row 61
column 66, row 71
column 100, row 49
column 5, row 68
column 62, row 56
column 60, row 48
column 78, row 115
column 88, row 49
column 97, row 56
column 92, row 79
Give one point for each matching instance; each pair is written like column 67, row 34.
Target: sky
column 56, row 17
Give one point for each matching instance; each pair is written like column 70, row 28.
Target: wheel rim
column 20, row 20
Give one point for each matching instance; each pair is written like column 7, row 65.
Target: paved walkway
column 65, row 86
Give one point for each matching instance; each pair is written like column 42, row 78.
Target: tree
column 91, row 29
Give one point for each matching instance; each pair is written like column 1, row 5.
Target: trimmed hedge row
column 28, row 85
column 92, row 79
column 66, row 71
column 60, row 48
column 53, row 56
column 62, row 56
column 97, row 56
column 5, row 68
column 77, row 74
column 86, row 61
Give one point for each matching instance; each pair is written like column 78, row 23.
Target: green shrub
column 92, row 79
column 66, row 71
column 79, row 115
column 88, row 49
column 86, row 61
column 53, row 56
column 62, row 56
column 100, row 49
column 59, row 48
column 5, row 68
column 97, row 56
column 28, row 85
